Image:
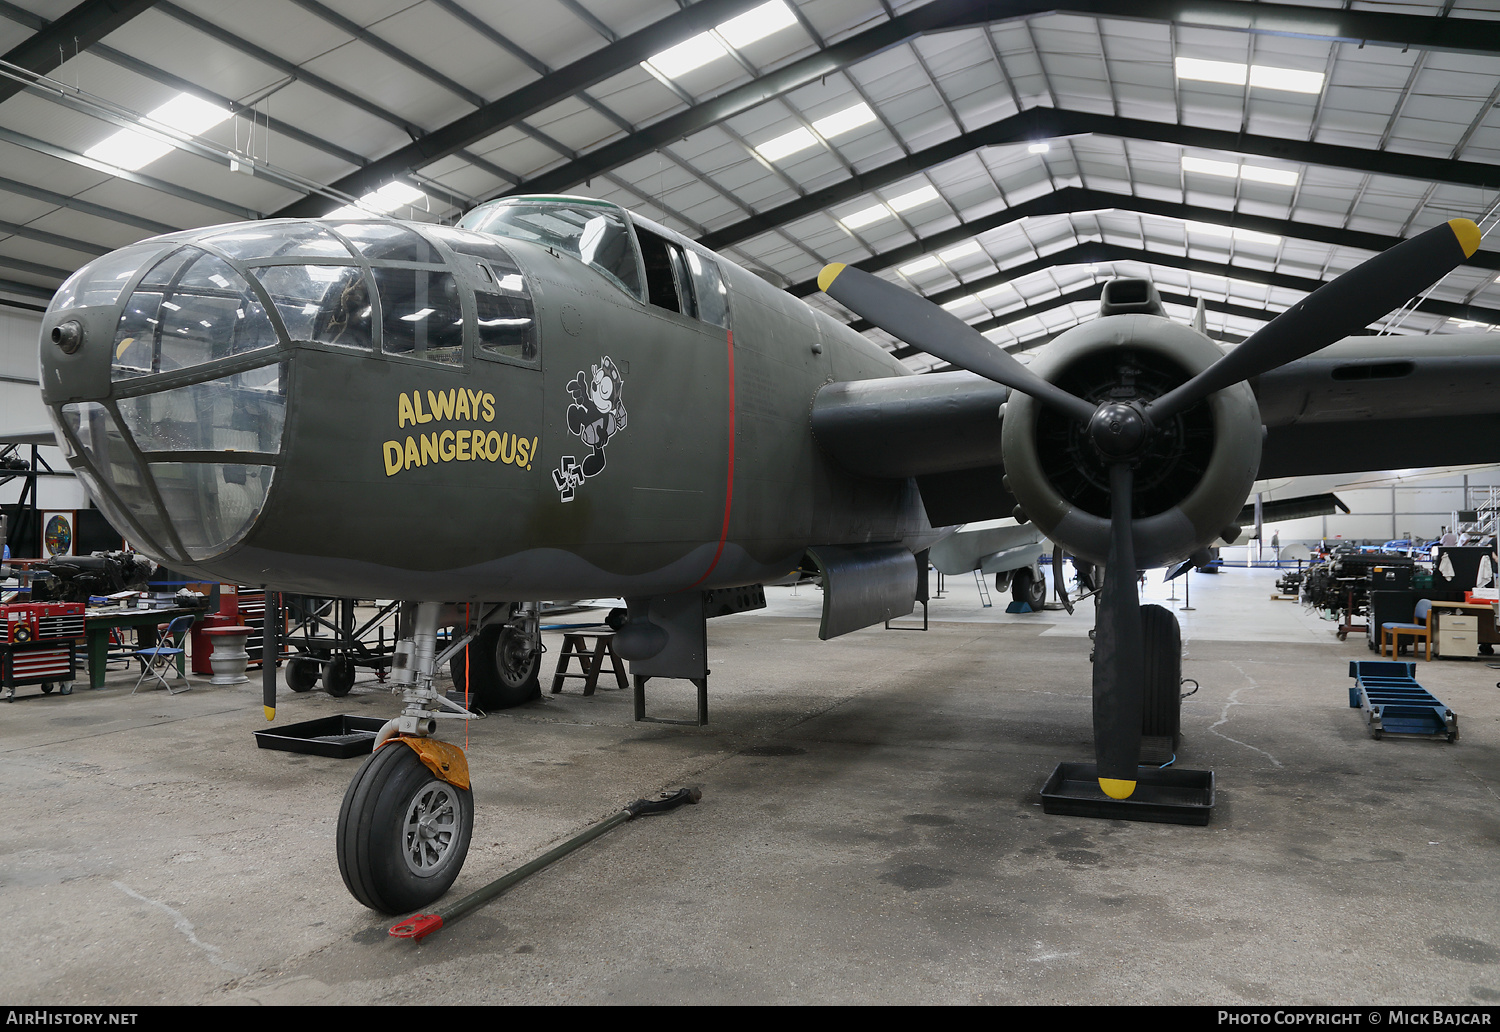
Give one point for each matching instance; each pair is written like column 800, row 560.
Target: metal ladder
column 984, row 591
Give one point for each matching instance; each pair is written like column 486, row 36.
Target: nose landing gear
column 406, row 819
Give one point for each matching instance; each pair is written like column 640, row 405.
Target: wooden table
column 97, row 624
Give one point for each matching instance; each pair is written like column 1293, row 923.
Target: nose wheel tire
column 403, row 833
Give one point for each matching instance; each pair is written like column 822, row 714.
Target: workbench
column 99, row 622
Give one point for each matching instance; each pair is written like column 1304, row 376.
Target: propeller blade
column 926, row 327
column 1333, row 311
column 1118, row 656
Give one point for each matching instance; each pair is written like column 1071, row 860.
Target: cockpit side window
column 421, row 314
column 708, row 290
column 598, row 237
column 667, row 281
column 503, row 308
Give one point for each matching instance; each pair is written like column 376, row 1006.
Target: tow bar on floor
column 1395, row 704
column 419, row 926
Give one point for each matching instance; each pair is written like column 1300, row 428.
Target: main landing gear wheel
column 403, row 833
column 1161, row 703
column 301, row 674
column 506, row 673
column 1027, row 587
column 338, row 677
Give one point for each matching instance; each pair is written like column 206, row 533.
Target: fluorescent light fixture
column 1261, row 174
column 961, row 251
column 865, row 216
column 1039, row 148
column 1289, row 79
column 757, row 23
column 842, row 121
column 920, row 265
column 677, row 61
column 921, row 195
column 1210, row 167
column 1234, row 73
column 1231, row 73
column 787, row 143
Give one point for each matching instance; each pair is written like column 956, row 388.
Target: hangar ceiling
column 1003, row 158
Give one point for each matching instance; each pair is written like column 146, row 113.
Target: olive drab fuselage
column 626, row 448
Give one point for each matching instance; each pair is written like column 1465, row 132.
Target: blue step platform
column 1395, row 704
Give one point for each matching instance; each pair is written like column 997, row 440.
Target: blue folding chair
column 157, row 660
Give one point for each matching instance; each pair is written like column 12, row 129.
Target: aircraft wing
column 942, row 428
column 1380, row 403
column 29, row 435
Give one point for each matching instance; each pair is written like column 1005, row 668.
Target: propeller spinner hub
column 1119, row 430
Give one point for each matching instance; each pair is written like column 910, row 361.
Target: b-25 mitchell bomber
column 559, row 399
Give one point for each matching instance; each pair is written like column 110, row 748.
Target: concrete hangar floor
column 870, row 832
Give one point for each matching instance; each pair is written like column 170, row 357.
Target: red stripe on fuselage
column 729, row 478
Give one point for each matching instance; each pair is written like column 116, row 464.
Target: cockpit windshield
column 596, row 236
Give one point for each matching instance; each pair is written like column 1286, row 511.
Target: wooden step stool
column 575, row 647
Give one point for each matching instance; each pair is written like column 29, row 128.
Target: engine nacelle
column 1194, row 475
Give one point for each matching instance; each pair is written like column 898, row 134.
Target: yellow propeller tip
column 1117, row 789
column 830, row 273
column 269, row 711
column 1466, row 231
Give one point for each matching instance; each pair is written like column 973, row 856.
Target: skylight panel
column 757, row 23
column 1211, row 167
column 392, row 196
column 128, row 149
column 921, row 195
column 188, row 114
column 798, row 139
column 1231, row 169
column 865, row 216
column 1235, row 73
column 1289, row 79
column 1248, row 236
column 131, row 150
column 920, row 265
column 677, row 61
column 1261, row 174
column 961, row 251
column 842, row 121
column 1231, row 73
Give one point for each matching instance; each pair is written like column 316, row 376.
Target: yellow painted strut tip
column 1117, row 789
column 829, row 274
column 270, row 712
column 1467, row 233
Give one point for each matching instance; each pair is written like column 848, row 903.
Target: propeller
column 1333, row 311
column 928, row 328
column 1121, row 430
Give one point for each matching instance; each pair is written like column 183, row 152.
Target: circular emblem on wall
column 58, row 536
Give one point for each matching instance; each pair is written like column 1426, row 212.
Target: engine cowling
column 1194, row 474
